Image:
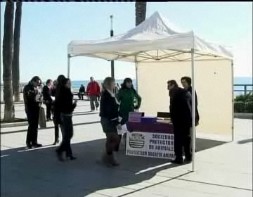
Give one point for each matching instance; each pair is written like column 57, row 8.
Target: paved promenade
column 223, row 169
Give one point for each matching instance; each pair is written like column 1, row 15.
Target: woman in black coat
column 64, row 100
column 55, row 108
column 109, row 113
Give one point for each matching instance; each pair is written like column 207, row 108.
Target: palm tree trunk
column 7, row 61
column 15, row 61
column 140, row 12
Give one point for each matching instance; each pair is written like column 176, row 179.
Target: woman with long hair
column 109, row 120
column 129, row 101
column 66, row 108
column 58, row 84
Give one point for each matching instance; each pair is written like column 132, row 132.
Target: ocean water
column 76, row 84
column 237, row 80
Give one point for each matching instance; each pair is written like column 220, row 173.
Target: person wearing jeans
column 66, row 106
column 109, row 113
column 93, row 90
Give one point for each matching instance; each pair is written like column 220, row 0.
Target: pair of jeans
column 67, row 134
column 182, row 141
column 112, row 137
column 112, row 142
column 33, row 121
column 94, row 99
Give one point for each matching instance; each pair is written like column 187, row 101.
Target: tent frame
column 192, row 58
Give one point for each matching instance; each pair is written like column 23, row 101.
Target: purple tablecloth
column 150, row 127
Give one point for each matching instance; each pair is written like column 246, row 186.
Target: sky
column 47, row 28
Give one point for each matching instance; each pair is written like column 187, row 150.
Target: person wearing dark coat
column 181, row 117
column 47, row 98
column 66, row 106
column 32, row 100
column 109, row 113
column 56, row 116
column 186, row 83
column 81, row 92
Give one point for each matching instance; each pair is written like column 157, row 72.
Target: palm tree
column 15, row 61
column 140, row 12
column 7, row 61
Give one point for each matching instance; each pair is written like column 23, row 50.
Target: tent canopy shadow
column 38, row 173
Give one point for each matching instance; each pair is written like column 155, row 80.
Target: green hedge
column 243, row 103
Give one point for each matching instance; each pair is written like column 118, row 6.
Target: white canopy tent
column 157, row 47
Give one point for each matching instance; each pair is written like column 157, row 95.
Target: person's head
column 60, row 80
column 36, row 81
column 67, row 83
column 109, row 83
column 55, row 82
column 186, row 82
column 49, row 82
column 91, row 79
column 128, row 83
column 172, row 84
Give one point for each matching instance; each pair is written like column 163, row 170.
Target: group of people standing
column 115, row 105
column 58, row 98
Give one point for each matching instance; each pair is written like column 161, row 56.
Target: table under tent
column 162, row 52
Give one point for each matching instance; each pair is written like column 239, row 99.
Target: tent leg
column 112, row 69
column 193, row 111
column 233, row 131
column 68, row 74
column 136, row 74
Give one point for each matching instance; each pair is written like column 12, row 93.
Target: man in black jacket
column 32, row 99
column 181, row 117
column 47, row 98
column 186, row 83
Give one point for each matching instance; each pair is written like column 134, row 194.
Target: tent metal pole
column 112, row 61
column 193, row 111
column 233, row 130
column 136, row 72
column 68, row 74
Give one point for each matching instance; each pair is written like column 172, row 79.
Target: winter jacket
column 180, row 107
column 46, row 94
column 109, row 108
column 129, row 101
column 93, row 89
column 64, row 101
column 32, row 97
column 196, row 106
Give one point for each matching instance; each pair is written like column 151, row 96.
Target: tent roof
column 154, row 39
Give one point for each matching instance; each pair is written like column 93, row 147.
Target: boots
column 109, row 160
